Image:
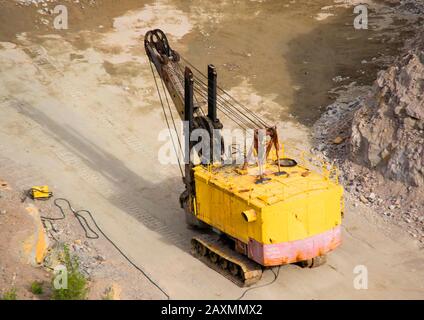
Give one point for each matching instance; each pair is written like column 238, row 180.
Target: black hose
column 94, row 235
column 276, row 274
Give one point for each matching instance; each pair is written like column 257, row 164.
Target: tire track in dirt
column 105, row 188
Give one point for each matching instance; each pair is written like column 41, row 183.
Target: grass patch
column 37, row 287
column 76, row 288
column 10, row 295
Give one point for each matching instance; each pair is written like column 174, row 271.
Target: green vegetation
column 10, row 295
column 76, row 282
column 37, row 287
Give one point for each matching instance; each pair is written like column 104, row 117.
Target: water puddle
column 291, row 53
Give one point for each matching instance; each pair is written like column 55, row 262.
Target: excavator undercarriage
column 216, row 252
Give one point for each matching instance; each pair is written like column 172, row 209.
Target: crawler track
column 216, row 254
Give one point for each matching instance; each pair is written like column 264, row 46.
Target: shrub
column 10, row 295
column 37, row 287
column 77, row 283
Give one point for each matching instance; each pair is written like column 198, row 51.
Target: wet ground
column 283, row 49
column 288, row 51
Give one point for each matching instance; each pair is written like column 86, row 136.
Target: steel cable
column 167, row 121
column 276, row 274
column 230, row 106
column 170, row 112
column 233, row 116
column 247, row 110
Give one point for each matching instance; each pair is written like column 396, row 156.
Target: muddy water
column 286, row 51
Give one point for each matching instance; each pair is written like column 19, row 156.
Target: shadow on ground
column 132, row 194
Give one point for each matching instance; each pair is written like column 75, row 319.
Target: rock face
column 388, row 129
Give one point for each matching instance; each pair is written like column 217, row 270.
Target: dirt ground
column 16, row 271
column 79, row 112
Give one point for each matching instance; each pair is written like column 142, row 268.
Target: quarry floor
column 79, row 112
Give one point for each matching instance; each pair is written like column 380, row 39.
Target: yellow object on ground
column 40, row 192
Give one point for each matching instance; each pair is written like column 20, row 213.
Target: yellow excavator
column 267, row 213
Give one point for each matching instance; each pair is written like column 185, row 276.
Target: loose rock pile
column 376, row 136
column 388, row 129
